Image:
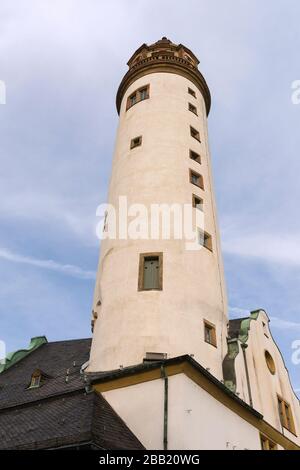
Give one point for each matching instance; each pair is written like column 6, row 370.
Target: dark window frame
column 192, row 92
column 143, row 257
column 194, row 202
column 195, row 134
column 207, row 240
column 194, row 173
column 195, row 156
column 193, row 109
column 136, row 142
column 138, row 98
column 211, row 327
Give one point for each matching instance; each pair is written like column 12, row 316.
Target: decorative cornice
column 158, row 58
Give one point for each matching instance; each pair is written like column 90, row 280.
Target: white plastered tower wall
column 128, row 322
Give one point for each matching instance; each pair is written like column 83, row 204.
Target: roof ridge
column 16, row 356
column 69, row 340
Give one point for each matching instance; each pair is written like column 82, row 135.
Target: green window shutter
column 151, row 273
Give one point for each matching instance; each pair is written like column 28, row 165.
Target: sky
column 62, row 62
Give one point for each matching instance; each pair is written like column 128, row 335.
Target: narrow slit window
column 205, row 240
column 193, row 109
column 195, row 156
column 196, row 179
column 195, row 134
column 150, row 271
column 136, row 142
column 197, row 203
column 192, row 92
column 210, row 336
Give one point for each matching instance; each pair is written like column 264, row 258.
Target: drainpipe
column 244, row 347
column 166, row 386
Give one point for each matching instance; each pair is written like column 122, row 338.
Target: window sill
column 211, row 344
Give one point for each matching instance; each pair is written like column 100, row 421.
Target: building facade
column 157, row 301
column 166, row 368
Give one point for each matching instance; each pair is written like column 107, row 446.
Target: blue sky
column 62, row 62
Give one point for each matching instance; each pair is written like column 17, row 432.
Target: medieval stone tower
column 155, row 297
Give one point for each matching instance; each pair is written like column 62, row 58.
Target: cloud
column 278, row 248
column 68, row 269
column 276, row 322
column 237, row 312
column 284, row 324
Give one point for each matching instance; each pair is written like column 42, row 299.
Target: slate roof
column 58, row 413
column 53, row 359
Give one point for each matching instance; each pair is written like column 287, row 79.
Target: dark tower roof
column 164, row 56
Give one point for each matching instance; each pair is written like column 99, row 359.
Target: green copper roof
column 233, row 349
column 245, row 326
column 16, row 356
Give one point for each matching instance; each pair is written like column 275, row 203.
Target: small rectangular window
column 195, row 133
column 205, row 239
column 197, row 203
column 150, row 271
column 210, row 333
column 267, row 444
column 196, row 179
column 136, row 142
column 191, row 92
column 195, row 156
column 193, row 109
column 139, row 95
column 286, row 416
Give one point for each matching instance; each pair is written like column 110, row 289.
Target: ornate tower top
column 164, row 56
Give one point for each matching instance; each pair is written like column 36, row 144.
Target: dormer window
column 35, row 379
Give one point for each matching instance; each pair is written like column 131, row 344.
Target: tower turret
column 153, row 295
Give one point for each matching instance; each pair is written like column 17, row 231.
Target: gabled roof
column 74, row 420
column 61, row 411
column 54, row 359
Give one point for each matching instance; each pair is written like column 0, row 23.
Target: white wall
column 196, row 419
column 131, row 323
column 264, row 386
